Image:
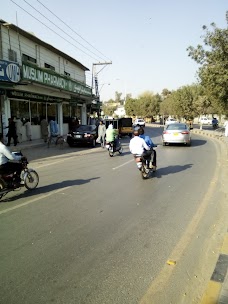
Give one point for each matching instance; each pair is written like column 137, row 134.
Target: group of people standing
column 15, row 130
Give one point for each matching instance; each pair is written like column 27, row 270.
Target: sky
column 133, row 45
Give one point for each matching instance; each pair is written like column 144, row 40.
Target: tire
column 31, row 179
column 93, row 144
column 120, row 150
column 2, row 186
column 144, row 174
column 164, row 143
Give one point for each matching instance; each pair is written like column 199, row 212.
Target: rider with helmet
column 111, row 134
column 138, row 147
column 150, row 143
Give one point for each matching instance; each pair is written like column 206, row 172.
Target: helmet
column 136, row 132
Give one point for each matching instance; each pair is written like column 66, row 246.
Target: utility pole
column 95, row 77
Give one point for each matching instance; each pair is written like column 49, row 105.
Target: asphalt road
column 95, row 232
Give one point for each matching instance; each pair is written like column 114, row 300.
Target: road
column 95, row 232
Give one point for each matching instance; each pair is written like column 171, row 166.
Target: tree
column 213, row 60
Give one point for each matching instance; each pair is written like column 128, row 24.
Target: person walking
column 19, row 125
column 12, row 133
column 28, row 130
column 44, row 129
column 101, row 134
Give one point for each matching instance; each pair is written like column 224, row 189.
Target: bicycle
column 56, row 140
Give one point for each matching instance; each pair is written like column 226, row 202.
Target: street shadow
column 171, row 170
column 48, row 188
column 194, row 143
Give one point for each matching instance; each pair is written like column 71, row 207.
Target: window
column 66, row 74
column 28, row 58
column 12, row 55
column 48, row 66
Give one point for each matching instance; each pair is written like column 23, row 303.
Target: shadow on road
column 198, row 142
column 49, row 188
column 171, row 170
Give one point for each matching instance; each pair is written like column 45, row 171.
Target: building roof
column 41, row 42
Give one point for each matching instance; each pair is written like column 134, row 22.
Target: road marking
column 33, row 200
column 122, row 165
column 165, row 274
column 212, row 292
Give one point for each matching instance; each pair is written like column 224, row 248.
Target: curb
column 217, row 288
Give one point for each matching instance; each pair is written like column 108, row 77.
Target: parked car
column 205, row 121
column 139, row 122
column 176, row 133
column 170, row 121
column 83, row 134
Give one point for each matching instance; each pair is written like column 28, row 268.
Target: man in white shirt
column 8, row 161
column 138, row 146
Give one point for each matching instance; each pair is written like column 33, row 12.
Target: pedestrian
column 101, row 134
column 44, row 129
column 12, row 133
column 28, row 129
column 54, row 130
column 226, row 127
column 19, row 125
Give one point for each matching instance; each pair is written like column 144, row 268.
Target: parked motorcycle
column 113, row 147
column 144, row 163
column 9, row 180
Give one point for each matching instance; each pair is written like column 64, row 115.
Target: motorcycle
column 9, row 180
column 114, row 146
column 144, row 164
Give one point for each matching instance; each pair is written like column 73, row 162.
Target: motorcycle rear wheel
column 145, row 171
column 31, row 180
column 2, row 186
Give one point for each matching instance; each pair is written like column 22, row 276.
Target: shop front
column 32, row 98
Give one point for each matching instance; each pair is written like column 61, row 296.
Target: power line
column 61, row 29
column 52, row 30
column 72, row 29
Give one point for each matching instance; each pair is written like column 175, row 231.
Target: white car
column 170, row 121
column 139, row 122
column 205, row 121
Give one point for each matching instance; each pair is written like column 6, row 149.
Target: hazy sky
column 146, row 40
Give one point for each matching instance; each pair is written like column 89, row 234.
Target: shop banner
column 53, row 79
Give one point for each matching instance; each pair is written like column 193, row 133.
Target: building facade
column 39, row 81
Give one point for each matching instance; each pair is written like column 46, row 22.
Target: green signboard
column 53, row 79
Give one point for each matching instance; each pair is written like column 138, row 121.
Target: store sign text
column 38, row 75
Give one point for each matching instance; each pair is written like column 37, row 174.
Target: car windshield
column 176, row 127
column 85, row 128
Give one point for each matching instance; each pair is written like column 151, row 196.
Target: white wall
column 41, row 54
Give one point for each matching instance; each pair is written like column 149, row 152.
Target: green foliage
column 147, row 105
column 213, row 71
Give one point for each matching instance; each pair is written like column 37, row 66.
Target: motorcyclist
column 111, row 134
column 10, row 162
column 138, row 147
column 214, row 122
column 150, row 143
